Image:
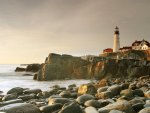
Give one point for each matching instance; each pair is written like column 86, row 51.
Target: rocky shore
column 104, row 96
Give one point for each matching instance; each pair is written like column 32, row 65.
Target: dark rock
column 102, row 89
column 10, row 102
column 138, row 92
column 9, row 97
column 19, row 69
column 17, row 90
column 51, row 108
column 27, row 97
column 114, row 89
column 33, row 67
column 65, row 94
column 137, row 107
column 29, row 91
column 71, row 108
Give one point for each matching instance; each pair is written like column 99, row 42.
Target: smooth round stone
column 93, row 103
column 20, row 108
column 11, row 102
column 145, row 110
column 58, row 100
column 27, row 97
column 114, row 89
column 17, row 90
column 90, row 110
column 50, row 108
column 147, row 105
column 65, row 94
column 71, row 108
column 83, row 98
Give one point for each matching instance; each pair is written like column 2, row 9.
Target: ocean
column 10, row 79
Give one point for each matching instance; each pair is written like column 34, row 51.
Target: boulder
column 65, row 94
column 114, row 89
column 102, row 89
column 27, row 97
column 20, row 108
column 127, row 93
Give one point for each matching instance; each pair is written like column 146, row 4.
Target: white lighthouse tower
column 116, row 40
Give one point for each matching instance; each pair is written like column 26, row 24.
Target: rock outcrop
column 66, row 66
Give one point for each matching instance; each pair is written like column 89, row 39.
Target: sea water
column 10, row 79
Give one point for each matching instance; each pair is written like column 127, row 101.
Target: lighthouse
column 116, row 40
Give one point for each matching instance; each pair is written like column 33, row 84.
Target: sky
column 31, row 29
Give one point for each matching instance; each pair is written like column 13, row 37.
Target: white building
column 141, row 45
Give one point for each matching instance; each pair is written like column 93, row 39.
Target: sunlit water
column 10, row 79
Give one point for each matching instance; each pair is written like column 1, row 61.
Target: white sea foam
column 10, row 79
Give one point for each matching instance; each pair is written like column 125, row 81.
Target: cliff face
column 65, row 66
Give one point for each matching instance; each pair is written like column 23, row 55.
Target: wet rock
column 90, row 110
column 87, row 89
column 11, row 102
column 27, row 97
column 17, row 90
column 9, row 97
column 30, row 91
column 50, row 108
column 114, row 89
column 83, row 98
column 58, row 100
column 20, row 108
column 122, row 106
column 71, row 108
column 135, row 101
column 65, row 94
column 93, row 103
column 33, row 67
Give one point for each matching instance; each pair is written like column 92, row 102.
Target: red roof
column 126, row 47
column 108, row 50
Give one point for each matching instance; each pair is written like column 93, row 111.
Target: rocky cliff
column 66, row 66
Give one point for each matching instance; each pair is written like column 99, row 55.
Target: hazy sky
column 31, row 29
